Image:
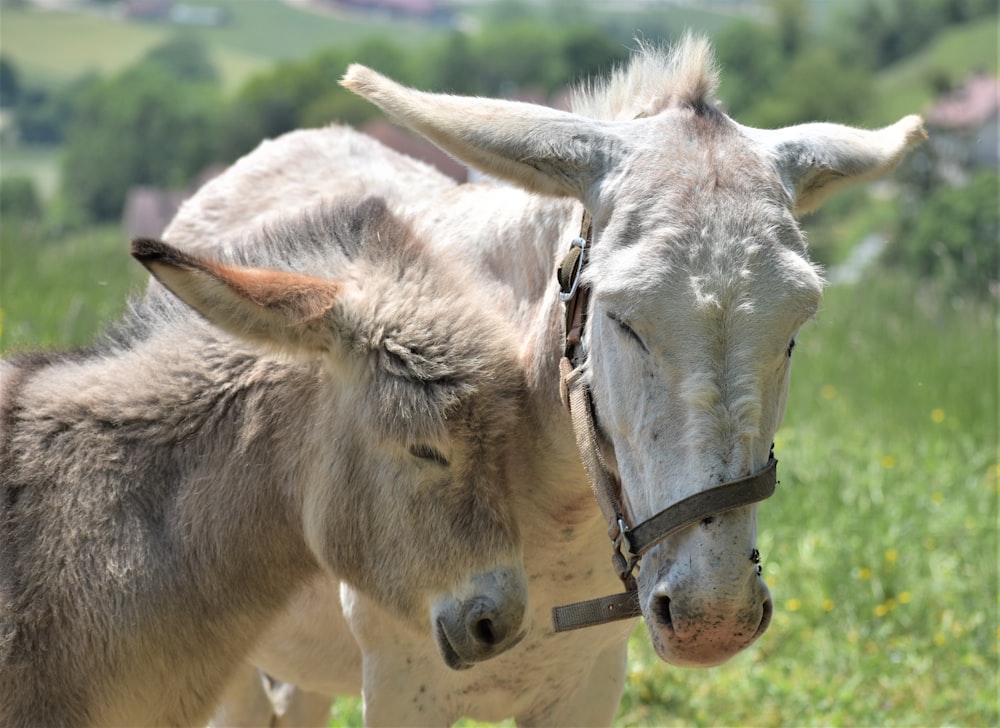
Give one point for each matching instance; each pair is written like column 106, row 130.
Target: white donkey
column 684, row 308
column 163, row 495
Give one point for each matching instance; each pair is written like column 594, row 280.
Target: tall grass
column 57, row 291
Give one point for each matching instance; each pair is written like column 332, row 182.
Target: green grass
column 906, row 87
column 54, row 47
column 58, row 292
column 880, row 546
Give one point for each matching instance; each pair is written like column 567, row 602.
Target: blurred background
column 881, row 549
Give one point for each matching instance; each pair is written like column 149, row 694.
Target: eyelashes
column 430, row 454
column 628, row 331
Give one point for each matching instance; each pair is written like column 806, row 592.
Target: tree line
column 163, row 120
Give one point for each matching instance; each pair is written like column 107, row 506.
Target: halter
column 636, row 539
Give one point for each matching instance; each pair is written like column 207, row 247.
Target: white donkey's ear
column 284, row 310
column 816, row 160
column 541, row 149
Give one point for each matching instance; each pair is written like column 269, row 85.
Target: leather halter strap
column 607, row 489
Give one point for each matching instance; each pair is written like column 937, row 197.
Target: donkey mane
column 653, row 80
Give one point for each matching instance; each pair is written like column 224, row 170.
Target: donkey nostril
column 485, row 632
column 661, row 611
column 765, row 619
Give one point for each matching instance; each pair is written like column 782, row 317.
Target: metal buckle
column 624, row 562
column 580, row 243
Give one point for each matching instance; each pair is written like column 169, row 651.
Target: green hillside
column 59, row 46
column 908, row 86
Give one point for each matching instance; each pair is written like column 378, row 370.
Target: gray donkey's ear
column 543, row 150
column 816, row 160
column 289, row 311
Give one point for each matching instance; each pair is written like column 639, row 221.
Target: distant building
column 147, row 9
column 964, row 128
column 148, row 210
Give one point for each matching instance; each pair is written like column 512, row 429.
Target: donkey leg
column 298, row 708
column 246, row 702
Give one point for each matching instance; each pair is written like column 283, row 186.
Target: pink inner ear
column 305, row 296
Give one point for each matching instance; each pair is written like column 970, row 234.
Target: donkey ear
column 287, row 310
column 816, row 160
column 541, row 149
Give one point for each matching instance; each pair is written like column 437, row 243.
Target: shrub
column 954, row 237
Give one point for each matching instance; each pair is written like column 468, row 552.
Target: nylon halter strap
column 637, row 539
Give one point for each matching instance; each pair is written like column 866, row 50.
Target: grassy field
column 880, row 546
column 58, row 292
column 59, row 46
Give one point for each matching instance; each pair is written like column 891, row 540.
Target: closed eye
column 628, row 331
column 791, row 348
column 426, row 452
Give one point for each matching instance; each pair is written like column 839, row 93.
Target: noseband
column 635, row 539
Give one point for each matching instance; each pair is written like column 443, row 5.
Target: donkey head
column 699, row 284
column 408, row 437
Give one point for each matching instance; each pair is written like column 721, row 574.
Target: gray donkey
column 165, row 493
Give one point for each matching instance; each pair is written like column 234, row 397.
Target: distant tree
column 10, row 83
column 453, row 65
column 588, row 53
column 953, row 237
column 185, row 57
column 508, row 12
column 42, row 115
column 386, row 57
column 19, row 199
column 145, row 126
column 880, row 32
column 818, row 85
column 293, row 95
column 519, row 56
column 752, row 60
column 791, row 17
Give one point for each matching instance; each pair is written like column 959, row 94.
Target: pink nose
column 699, row 633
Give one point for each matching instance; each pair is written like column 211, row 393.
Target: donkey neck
column 158, row 472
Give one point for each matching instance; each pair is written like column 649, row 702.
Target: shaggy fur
column 164, row 493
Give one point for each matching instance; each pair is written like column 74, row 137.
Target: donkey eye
column 791, row 347
column 426, row 452
column 628, row 331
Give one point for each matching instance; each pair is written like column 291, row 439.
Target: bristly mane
column 654, row 79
